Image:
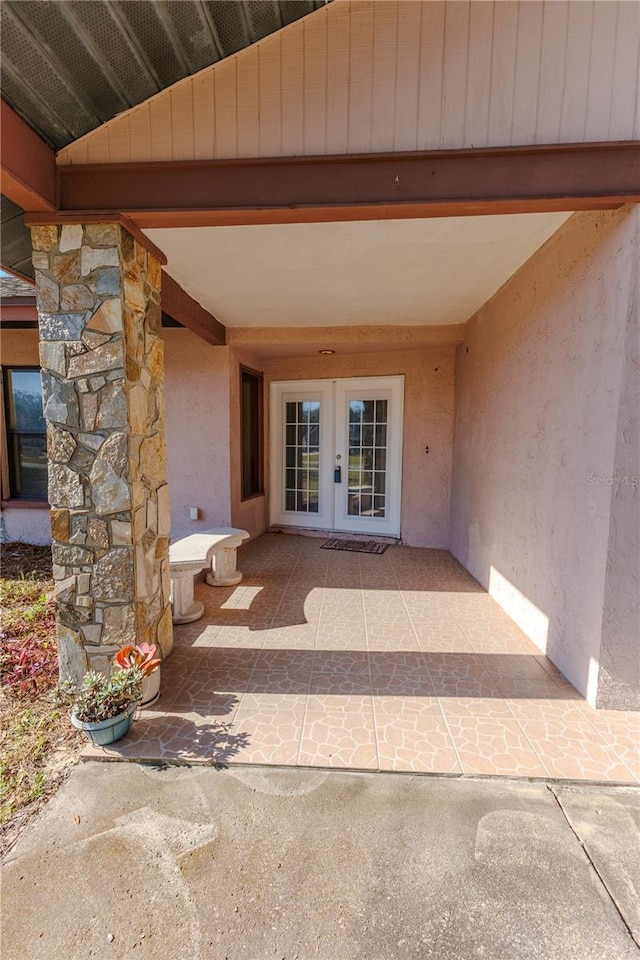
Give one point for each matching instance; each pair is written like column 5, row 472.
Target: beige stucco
column 428, row 405
column 281, row 342
column 619, row 677
column 366, row 76
column 544, row 424
column 197, row 429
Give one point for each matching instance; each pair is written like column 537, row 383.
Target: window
column 251, row 433
column 26, row 434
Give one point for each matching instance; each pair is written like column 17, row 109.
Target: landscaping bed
column 38, row 745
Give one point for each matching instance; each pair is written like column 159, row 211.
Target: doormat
column 355, row 546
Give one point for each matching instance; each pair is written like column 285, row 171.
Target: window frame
column 259, row 376
column 9, row 467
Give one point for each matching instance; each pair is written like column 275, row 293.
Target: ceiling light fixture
column 326, row 353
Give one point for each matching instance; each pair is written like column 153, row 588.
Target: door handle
column 337, row 475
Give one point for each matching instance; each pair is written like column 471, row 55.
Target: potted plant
column 142, row 656
column 103, row 707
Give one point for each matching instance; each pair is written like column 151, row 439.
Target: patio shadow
column 203, row 675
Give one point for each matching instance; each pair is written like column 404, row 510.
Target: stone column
column 98, row 292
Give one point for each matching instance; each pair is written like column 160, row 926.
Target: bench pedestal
column 185, row 608
column 223, row 568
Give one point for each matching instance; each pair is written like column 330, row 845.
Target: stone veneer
column 98, row 293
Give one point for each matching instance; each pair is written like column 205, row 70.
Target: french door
column 336, row 454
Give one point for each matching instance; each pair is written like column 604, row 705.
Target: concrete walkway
column 253, row 863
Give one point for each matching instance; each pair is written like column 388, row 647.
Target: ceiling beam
column 27, row 164
column 187, row 311
column 541, row 178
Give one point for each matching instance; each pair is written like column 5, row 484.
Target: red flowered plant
column 28, row 653
column 143, row 656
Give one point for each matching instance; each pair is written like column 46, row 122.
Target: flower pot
column 151, row 688
column 106, row 731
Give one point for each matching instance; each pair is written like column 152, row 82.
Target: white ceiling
column 431, row 271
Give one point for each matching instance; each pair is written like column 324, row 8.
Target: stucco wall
column 538, row 391
column 197, row 426
column 429, row 387
column 619, row 680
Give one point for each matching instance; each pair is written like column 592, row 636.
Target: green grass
column 20, row 591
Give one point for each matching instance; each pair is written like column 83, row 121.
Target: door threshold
column 332, row 534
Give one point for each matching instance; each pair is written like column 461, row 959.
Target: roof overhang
column 68, row 68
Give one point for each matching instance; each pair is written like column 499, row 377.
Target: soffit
column 68, row 67
column 393, row 272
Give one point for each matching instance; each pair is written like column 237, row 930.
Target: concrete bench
column 213, row 549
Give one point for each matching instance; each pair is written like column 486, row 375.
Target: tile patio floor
column 395, row 662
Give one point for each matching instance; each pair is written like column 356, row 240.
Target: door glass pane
column 302, row 456
column 367, row 458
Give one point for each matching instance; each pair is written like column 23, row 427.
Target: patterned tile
column 398, row 662
column 459, row 675
column 571, row 710
column 239, row 637
column 281, row 671
column 399, row 638
column 621, row 732
column 395, row 678
column 177, row 739
column 339, row 735
column 193, row 705
column 341, row 636
column 412, row 735
column 418, row 602
column 493, row 746
column 296, row 637
column 535, row 687
column 485, row 629
column 510, row 666
column 442, row 636
column 465, row 707
column 339, row 683
column 278, row 682
column 575, row 751
column 491, row 643
column 273, row 729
